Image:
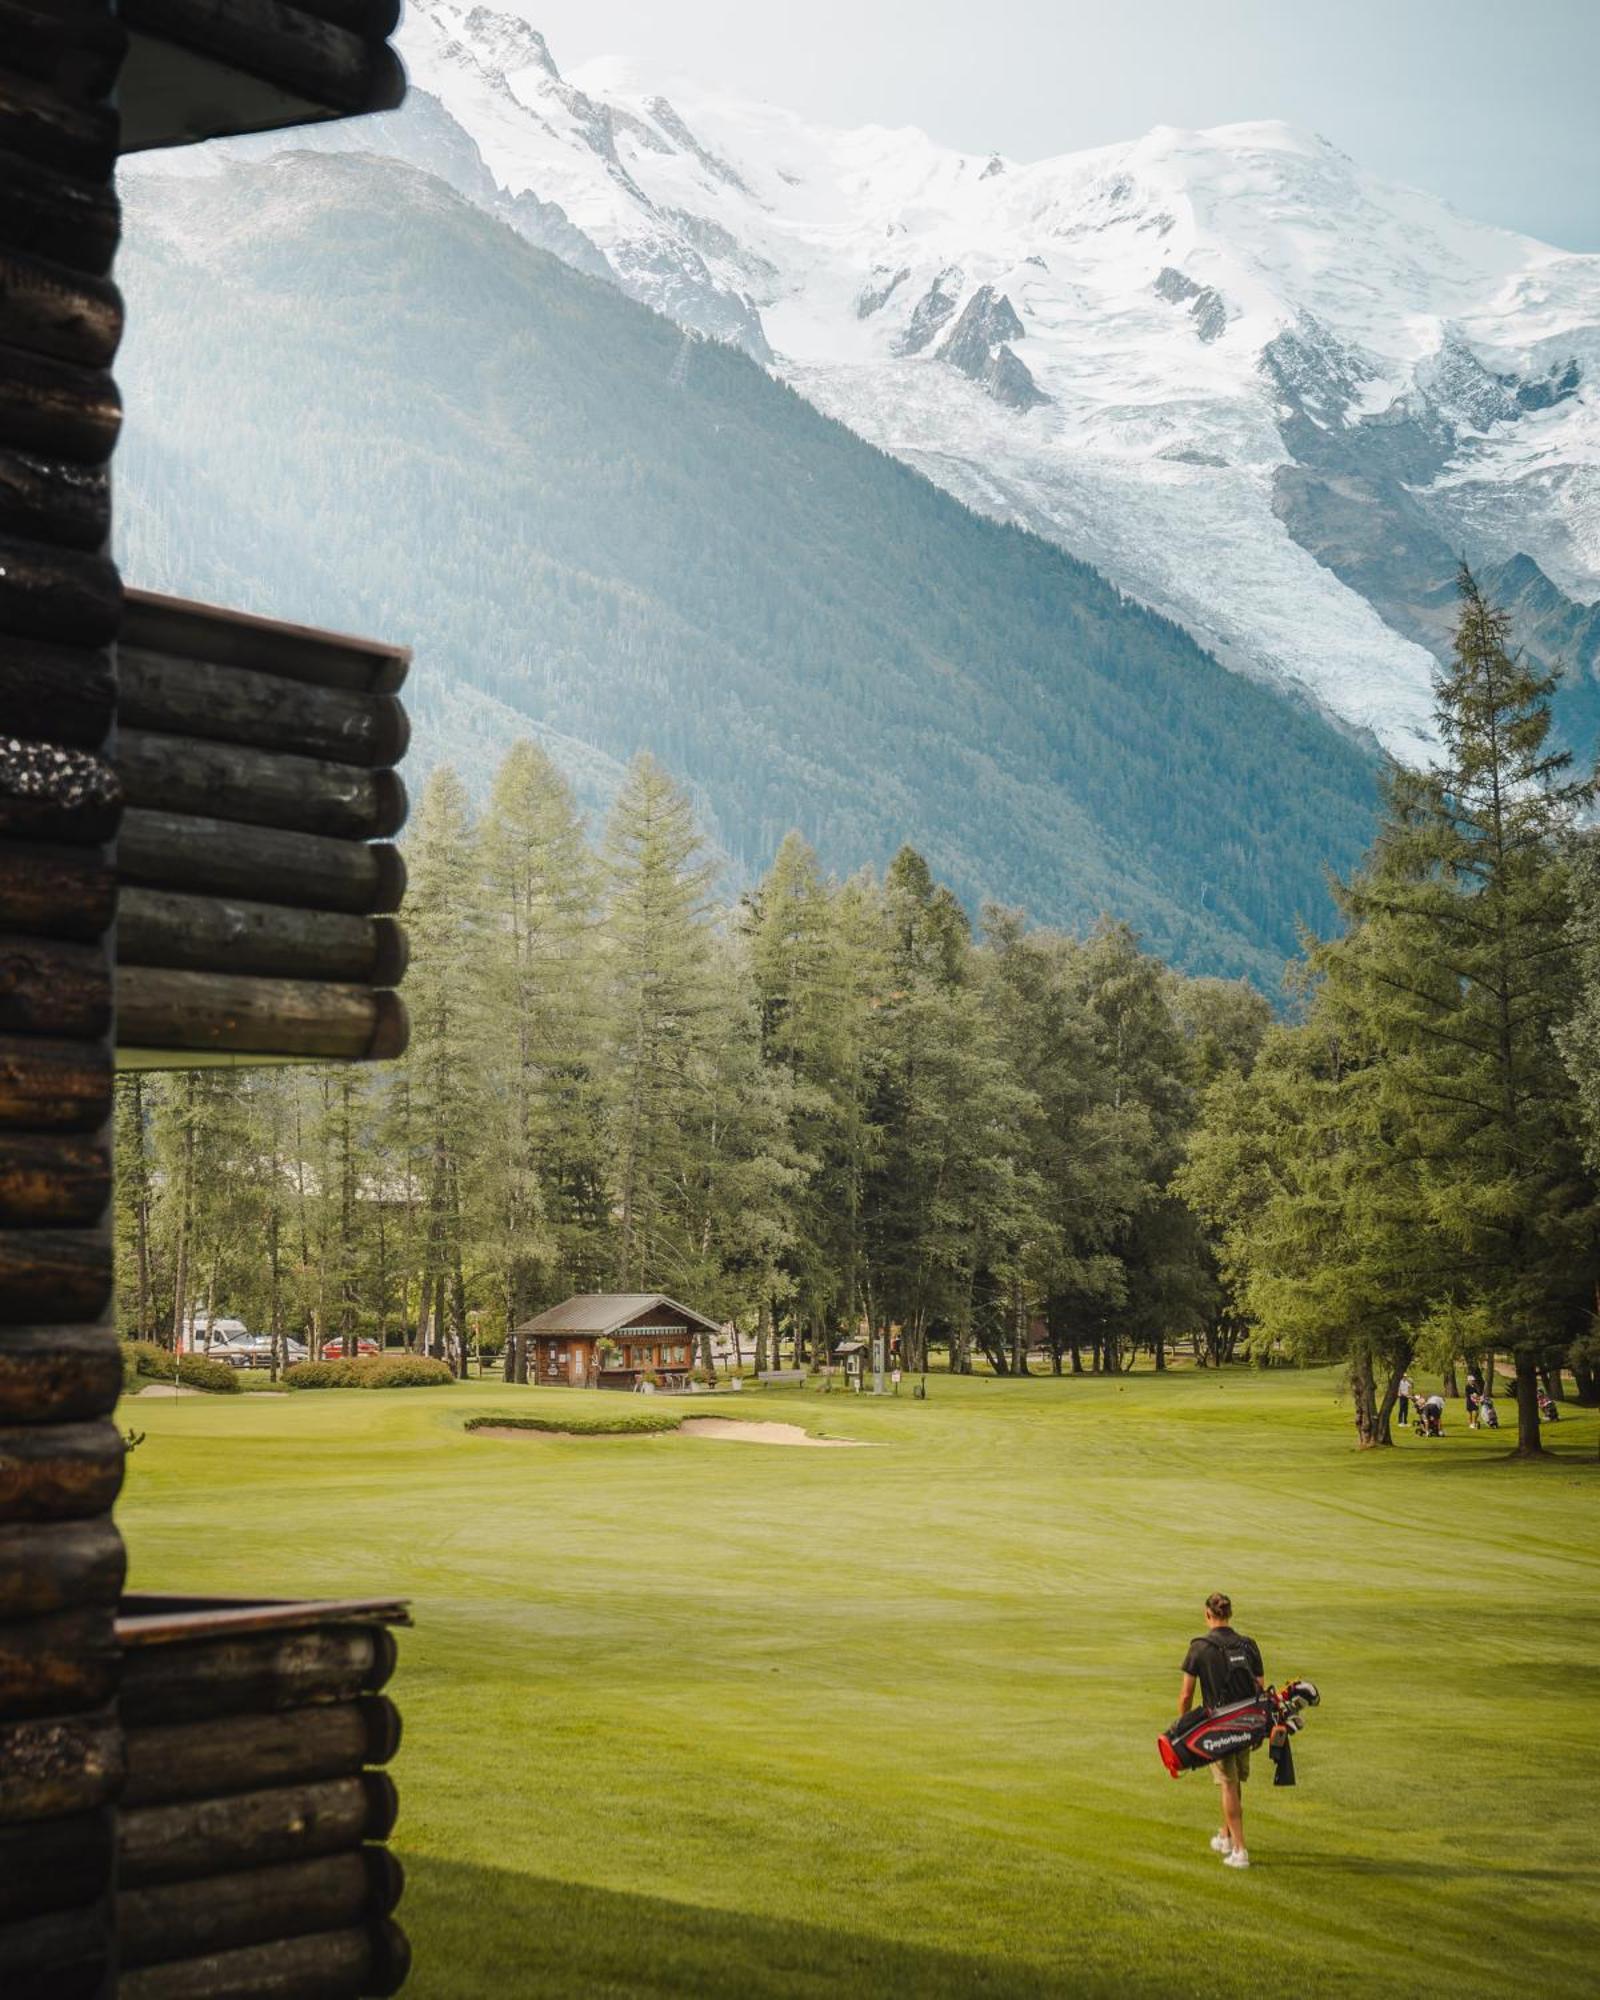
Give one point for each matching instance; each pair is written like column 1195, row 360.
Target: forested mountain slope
column 357, row 400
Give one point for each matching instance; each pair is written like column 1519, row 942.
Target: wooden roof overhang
column 205, row 69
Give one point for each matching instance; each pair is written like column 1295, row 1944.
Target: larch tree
column 662, row 1011
column 538, row 1040
column 441, row 995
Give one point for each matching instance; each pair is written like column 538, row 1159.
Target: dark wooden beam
column 54, row 1179
column 52, row 1569
column 228, row 704
column 208, row 856
column 255, row 1672
column 210, row 934
column 48, row 987
column 49, row 308
column 260, row 787
column 334, row 1965
column 198, row 1839
column 67, row 892
column 53, row 1086
column 160, row 1009
column 58, row 1375
column 68, row 695
column 197, row 1760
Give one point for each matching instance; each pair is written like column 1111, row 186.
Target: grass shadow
column 477, row 1931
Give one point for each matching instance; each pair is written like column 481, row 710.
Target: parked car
column 333, row 1350
column 254, row 1350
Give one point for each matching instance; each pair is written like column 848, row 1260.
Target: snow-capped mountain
column 1266, row 393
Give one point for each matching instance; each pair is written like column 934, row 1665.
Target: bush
column 583, row 1423
column 143, row 1361
column 377, row 1371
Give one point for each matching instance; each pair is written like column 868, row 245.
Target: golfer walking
column 1227, row 1667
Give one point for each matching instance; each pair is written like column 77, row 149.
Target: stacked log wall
column 61, row 1560
column 257, row 761
column 250, row 1834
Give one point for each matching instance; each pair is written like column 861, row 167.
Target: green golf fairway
column 695, row 1717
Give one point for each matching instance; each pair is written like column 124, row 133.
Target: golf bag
column 1204, row 1736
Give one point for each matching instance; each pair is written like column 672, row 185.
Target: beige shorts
column 1235, row 1765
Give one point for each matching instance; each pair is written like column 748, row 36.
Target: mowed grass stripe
column 687, row 1716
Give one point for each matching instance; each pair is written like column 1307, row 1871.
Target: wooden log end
column 391, row 1029
column 58, row 1472
column 391, row 952
column 58, row 1375
column 54, row 1086
column 49, row 986
column 55, row 1568
column 61, row 1662
column 391, row 1961
column 389, row 889
column 53, row 1274
column 56, row 892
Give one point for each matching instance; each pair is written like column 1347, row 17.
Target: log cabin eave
column 196, row 72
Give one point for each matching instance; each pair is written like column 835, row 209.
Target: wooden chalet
column 611, row 1340
column 190, row 1798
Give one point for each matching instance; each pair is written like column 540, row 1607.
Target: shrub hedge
column 376, row 1371
column 143, row 1361
column 583, row 1423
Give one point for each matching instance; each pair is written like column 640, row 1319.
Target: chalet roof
column 605, row 1312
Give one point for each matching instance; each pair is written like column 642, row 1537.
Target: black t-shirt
column 1226, row 1664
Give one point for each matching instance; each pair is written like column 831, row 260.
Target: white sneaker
column 1237, row 1859
column 1221, row 1844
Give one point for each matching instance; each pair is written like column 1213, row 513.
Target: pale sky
column 1494, row 104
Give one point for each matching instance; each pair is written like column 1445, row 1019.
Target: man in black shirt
column 1228, row 1667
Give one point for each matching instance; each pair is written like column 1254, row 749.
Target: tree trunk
column 1529, row 1442
column 1158, row 1347
column 1077, row 1356
column 1452, row 1386
column 1364, row 1398
column 1391, row 1392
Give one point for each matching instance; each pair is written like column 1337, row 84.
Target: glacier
column 1268, row 394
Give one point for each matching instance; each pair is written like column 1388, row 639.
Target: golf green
column 698, row 1717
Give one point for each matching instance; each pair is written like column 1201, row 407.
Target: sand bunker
column 759, row 1433
column 170, row 1389
column 528, row 1431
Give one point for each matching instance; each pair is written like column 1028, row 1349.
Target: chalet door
column 577, row 1364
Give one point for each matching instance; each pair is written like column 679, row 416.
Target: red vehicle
column 333, row 1350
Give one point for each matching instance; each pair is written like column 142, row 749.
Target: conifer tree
column 537, row 1039
column 662, row 1012
column 442, row 915
column 1457, row 979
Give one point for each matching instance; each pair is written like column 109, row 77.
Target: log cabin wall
column 255, row 912
column 251, row 1833
column 185, row 70
column 61, row 1560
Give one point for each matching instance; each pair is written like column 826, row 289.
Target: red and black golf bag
column 1206, row 1734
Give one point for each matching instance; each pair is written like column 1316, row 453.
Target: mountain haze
column 357, row 398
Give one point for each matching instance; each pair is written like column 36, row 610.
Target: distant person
column 1228, row 1668
column 1405, row 1401
column 1474, row 1397
column 1431, row 1410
